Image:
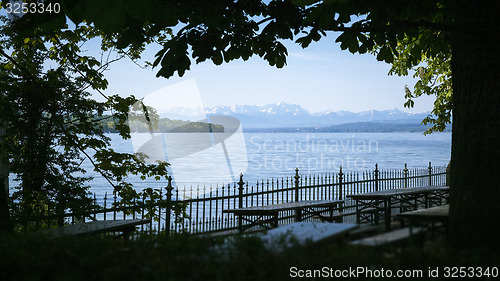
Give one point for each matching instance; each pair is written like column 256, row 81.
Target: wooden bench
column 301, row 232
column 366, row 230
column 268, row 215
column 340, row 215
column 387, row 238
column 396, row 197
column 229, row 233
column 434, row 214
column 431, row 218
column 93, row 227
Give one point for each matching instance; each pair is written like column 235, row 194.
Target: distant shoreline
column 359, row 127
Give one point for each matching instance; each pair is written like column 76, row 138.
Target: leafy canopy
column 51, row 125
column 410, row 35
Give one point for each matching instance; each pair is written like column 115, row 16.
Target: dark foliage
column 189, row 258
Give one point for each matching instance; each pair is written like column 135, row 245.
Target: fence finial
column 376, row 177
column 169, row 186
column 241, row 183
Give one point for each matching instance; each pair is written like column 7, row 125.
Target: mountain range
column 284, row 115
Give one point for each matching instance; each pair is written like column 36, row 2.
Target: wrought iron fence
column 200, row 209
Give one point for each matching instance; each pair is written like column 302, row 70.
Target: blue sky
column 320, row 77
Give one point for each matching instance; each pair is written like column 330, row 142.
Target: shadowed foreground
column 187, row 258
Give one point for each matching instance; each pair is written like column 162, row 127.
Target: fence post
column 159, row 210
column 95, row 209
column 105, row 200
column 114, row 204
column 340, row 195
column 405, row 171
column 376, row 177
column 296, row 177
column 240, row 201
column 168, row 209
column 430, row 174
column 341, row 176
column 298, row 213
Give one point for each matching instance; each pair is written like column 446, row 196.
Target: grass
column 28, row 257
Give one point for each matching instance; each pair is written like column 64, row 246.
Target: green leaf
column 385, row 54
column 304, row 41
column 217, row 58
column 348, row 41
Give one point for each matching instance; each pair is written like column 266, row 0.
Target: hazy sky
column 320, row 77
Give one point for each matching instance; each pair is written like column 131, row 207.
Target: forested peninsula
column 164, row 125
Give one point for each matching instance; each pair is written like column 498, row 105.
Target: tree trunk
column 475, row 184
column 4, row 205
column 4, row 195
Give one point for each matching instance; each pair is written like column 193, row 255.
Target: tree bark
column 5, row 225
column 475, row 168
column 4, row 195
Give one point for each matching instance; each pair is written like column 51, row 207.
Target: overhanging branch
column 391, row 27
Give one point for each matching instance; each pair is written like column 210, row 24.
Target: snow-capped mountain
column 290, row 115
column 280, row 108
column 293, row 115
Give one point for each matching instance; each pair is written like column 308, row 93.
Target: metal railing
column 200, row 209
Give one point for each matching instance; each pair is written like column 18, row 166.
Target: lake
column 201, row 159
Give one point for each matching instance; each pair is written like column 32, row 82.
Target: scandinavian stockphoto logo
column 171, row 125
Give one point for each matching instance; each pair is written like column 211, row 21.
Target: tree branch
column 392, row 26
column 79, row 119
column 17, row 65
column 87, row 155
column 265, row 20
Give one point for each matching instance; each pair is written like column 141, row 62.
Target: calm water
column 266, row 155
